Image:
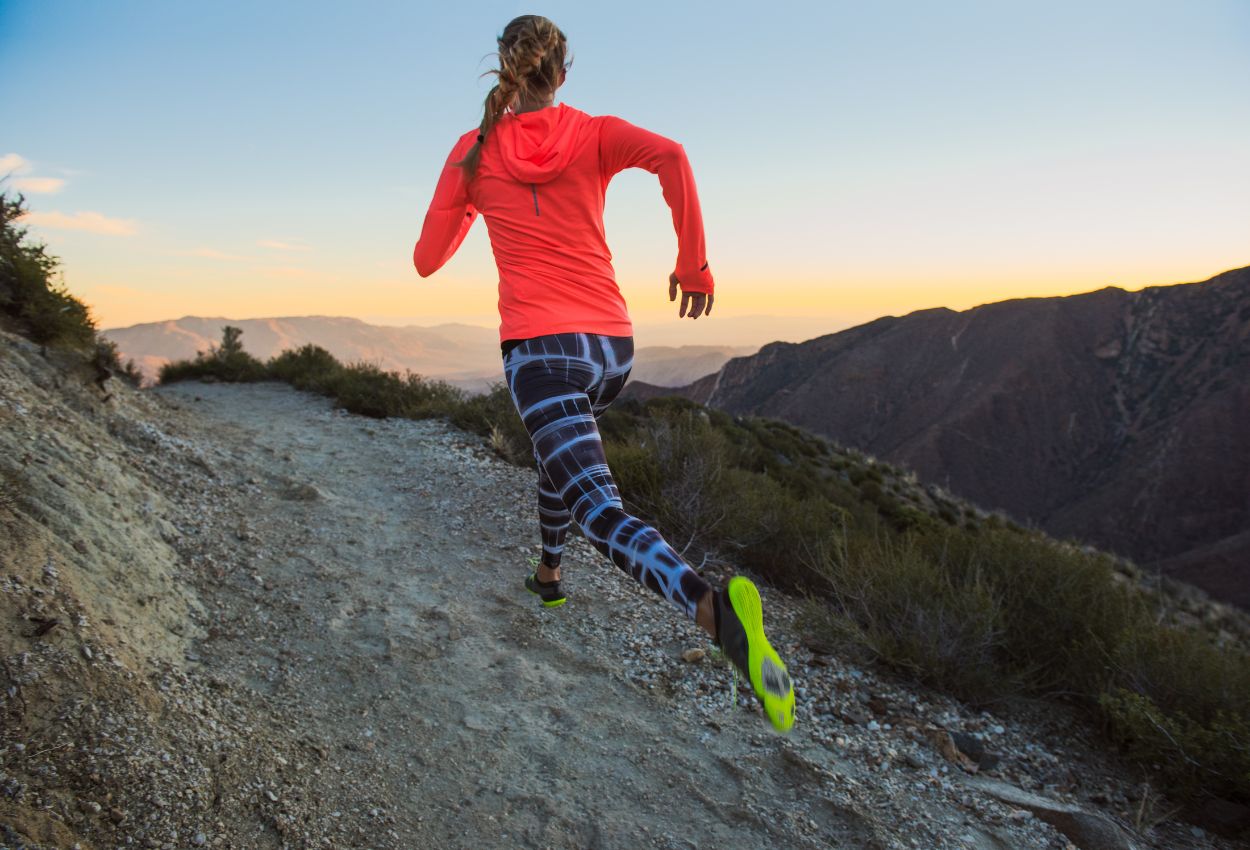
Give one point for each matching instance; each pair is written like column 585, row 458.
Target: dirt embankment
column 233, row 617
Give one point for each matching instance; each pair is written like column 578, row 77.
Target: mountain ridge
column 1109, row 416
column 461, row 354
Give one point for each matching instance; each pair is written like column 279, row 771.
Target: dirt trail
column 391, row 628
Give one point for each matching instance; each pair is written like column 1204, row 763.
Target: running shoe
column 548, row 591
column 740, row 635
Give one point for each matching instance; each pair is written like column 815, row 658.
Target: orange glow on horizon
column 850, row 298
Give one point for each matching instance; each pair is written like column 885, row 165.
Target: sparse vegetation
column 969, row 603
column 225, row 362
column 37, row 305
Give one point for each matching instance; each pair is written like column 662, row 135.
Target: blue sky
column 853, row 159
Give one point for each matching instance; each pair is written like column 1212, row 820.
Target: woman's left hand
column 696, row 303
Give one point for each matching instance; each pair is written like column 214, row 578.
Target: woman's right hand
column 697, row 303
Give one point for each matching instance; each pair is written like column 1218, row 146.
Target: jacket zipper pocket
column 534, row 189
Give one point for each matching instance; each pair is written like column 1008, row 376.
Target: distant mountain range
column 464, row 355
column 1120, row 419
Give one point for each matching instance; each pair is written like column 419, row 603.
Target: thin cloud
column 39, row 185
column 11, row 163
column 90, row 222
column 281, row 246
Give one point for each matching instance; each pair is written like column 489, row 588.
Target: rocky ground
column 231, row 616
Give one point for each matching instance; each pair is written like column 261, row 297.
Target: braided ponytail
column 531, row 58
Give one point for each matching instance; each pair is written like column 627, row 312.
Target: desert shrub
column 309, row 367
column 711, row 490
column 888, row 597
column 871, row 490
column 774, row 532
column 362, row 388
column 41, row 307
column 1005, row 611
column 1174, row 700
column 1198, row 758
column 674, row 471
column 1070, row 600
column 372, row 391
column 225, row 362
column 904, row 517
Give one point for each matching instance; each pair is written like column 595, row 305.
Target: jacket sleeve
column 449, row 217
column 623, row 145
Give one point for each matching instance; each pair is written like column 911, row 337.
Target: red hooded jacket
column 540, row 186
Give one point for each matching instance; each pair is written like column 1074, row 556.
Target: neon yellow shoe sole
column 765, row 668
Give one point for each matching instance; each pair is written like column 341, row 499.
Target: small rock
column 693, row 654
column 477, row 723
column 972, row 747
column 298, row 492
column 946, row 746
column 1087, row 830
column 855, row 714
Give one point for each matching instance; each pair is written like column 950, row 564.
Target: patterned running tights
column 560, row 384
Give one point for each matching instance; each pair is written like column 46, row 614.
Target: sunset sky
column 853, row 159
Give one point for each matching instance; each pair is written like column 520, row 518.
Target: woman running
column 537, row 173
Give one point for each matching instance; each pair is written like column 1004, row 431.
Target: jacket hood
column 536, row 146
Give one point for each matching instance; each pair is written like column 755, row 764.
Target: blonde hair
column 531, row 59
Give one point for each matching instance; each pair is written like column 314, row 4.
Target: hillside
column 464, row 355
column 233, row 616
column 1115, row 418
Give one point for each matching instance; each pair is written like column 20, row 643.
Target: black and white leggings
column 560, row 384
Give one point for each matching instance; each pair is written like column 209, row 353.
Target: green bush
column 41, row 308
column 1003, row 611
column 1198, row 758
column 309, row 367
column 107, row 360
column 225, row 362
column 371, row 391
